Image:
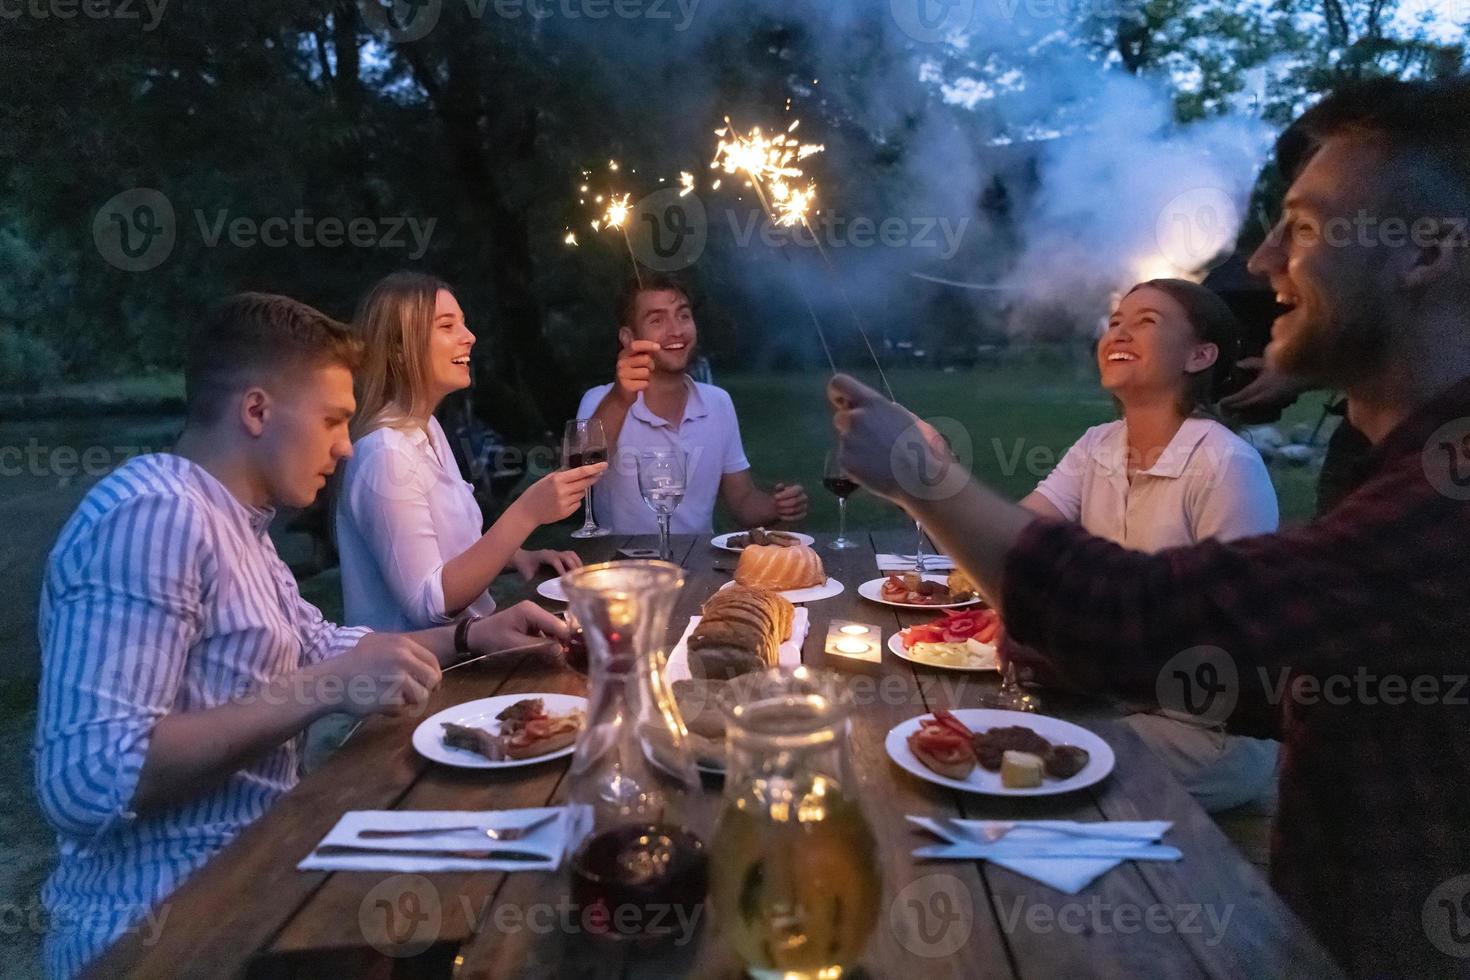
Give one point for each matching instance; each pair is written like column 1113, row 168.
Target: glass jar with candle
column 632, row 770
column 795, row 877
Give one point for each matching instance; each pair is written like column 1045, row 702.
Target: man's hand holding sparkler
column 898, row 456
column 635, row 367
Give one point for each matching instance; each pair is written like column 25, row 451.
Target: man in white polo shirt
column 654, row 404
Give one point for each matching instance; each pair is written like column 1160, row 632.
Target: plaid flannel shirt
column 1349, row 641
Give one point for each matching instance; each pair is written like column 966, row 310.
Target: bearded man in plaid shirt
column 1347, row 639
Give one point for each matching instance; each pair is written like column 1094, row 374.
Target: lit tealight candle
column 850, row 646
column 854, row 629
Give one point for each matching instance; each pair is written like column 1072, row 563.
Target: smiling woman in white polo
column 1168, row 474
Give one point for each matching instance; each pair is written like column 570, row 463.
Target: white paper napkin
column 554, row 839
column 1065, row 862
column 905, row 563
column 677, row 667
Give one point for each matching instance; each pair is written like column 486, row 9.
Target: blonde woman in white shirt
column 1168, row 474
column 408, row 527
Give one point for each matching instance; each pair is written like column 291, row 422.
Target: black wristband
column 462, row 634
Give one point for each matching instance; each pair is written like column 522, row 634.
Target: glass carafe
column 632, row 772
column 794, row 878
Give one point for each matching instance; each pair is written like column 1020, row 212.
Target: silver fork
column 995, row 830
column 505, row 834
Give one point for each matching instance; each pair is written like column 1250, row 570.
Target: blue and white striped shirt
column 163, row 594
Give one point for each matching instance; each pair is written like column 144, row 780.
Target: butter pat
column 1020, row 770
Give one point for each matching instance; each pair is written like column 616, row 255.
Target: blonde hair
column 394, row 322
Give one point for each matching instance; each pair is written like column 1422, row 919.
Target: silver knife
column 338, row 850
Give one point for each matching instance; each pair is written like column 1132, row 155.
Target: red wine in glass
column 587, row 457
column 647, row 869
column 841, row 486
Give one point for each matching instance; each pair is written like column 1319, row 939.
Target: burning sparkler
column 614, row 215
column 770, row 165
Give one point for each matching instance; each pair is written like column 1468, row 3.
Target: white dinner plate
column 720, row 540
column 871, row 589
column 428, row 738
column 982, row 780
column 826, row 590
column 895, row 643
column 551, row 589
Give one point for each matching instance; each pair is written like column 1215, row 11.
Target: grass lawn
column 1020, row 419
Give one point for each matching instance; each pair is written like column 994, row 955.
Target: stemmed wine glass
column 921, row 565
column 661, row 480
column 584, row 444
column 842, row 486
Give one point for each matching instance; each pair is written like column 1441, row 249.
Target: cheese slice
column 1020, row 770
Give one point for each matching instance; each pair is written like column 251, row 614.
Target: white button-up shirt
column 1207, row 483
column 163, row 595
column 403, row 514
column 710, row 436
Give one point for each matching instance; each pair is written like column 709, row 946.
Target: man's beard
column 1336, row 347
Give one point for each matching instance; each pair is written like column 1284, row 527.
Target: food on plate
column 992, row 745
column 761, row 536
column 961, row 586
column 1065, row 761
column 470, row 739
column 1020, row 770
column 910, row 589
column 521, row 712
column 969, row 654
column 776, row 567
column 740, row 631
column 944, row 744
column 526, row 730
column 956, row 639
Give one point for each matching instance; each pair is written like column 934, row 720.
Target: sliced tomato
column 952, row 723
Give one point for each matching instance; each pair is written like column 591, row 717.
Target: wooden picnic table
column 250, row 913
